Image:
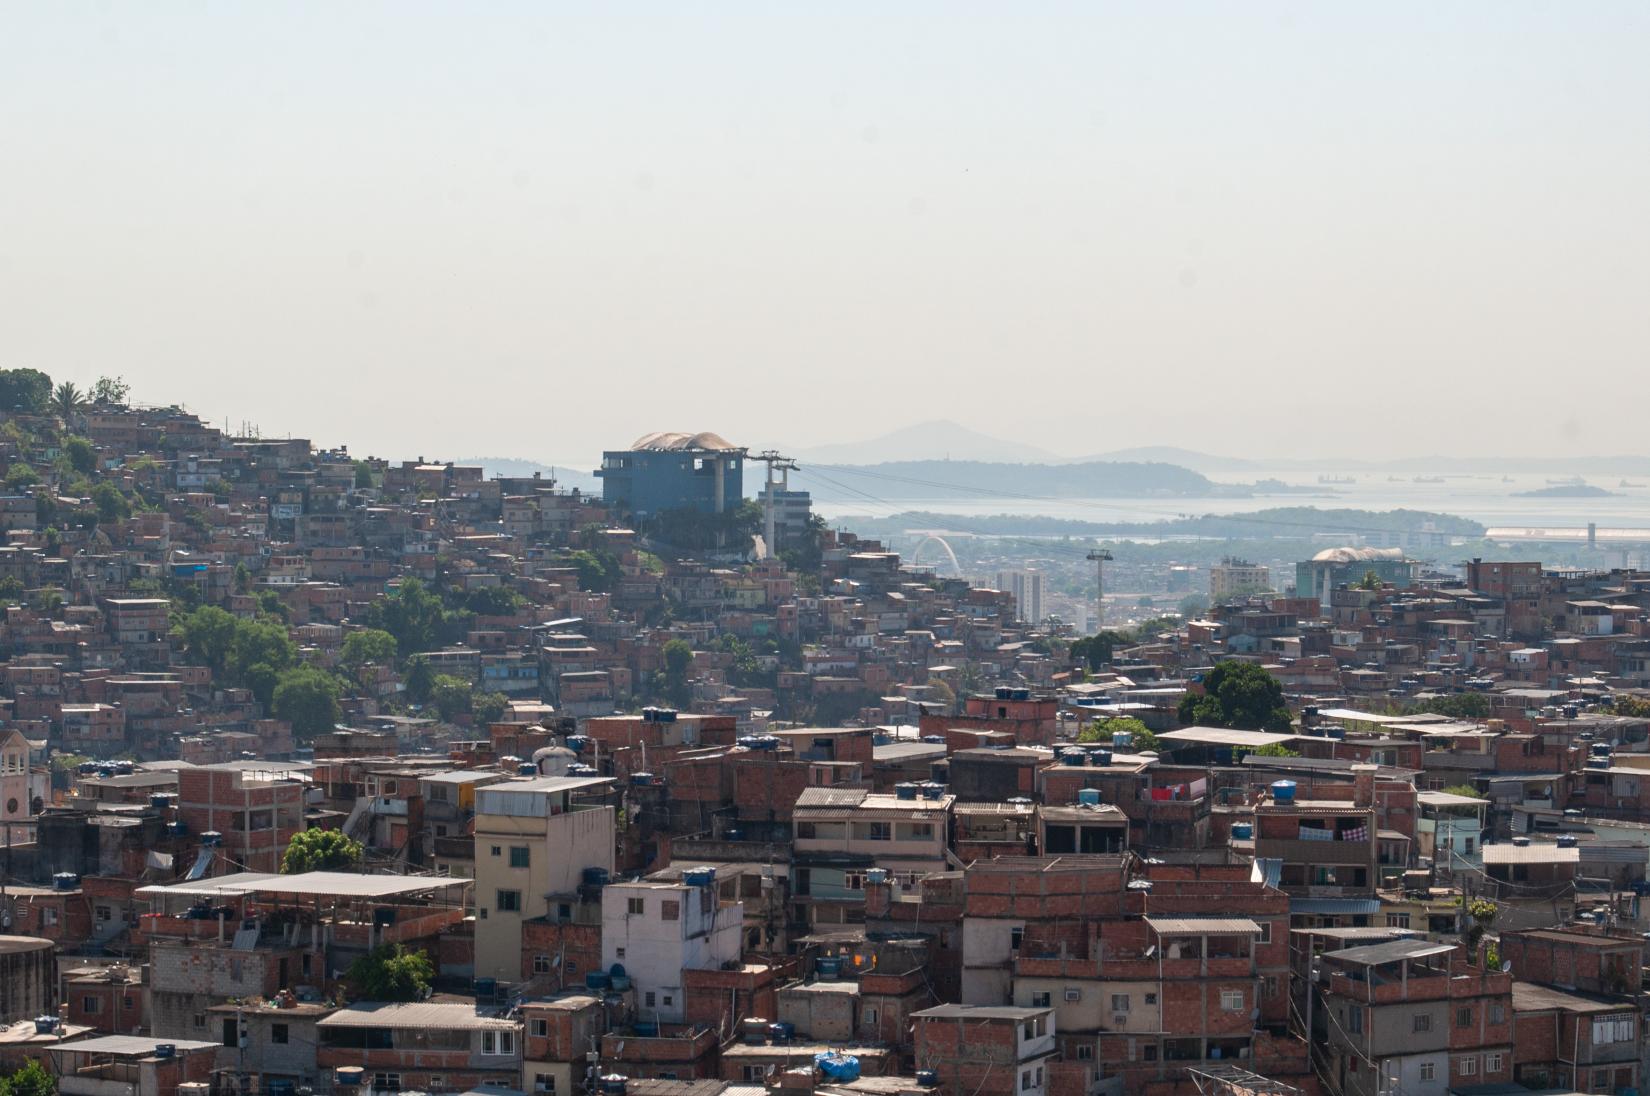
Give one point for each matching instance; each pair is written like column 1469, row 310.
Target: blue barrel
column 1283, row 791
column 1242, row 831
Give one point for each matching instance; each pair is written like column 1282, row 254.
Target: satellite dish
column 1506, row 966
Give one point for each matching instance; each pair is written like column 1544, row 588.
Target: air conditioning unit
column 1074, row 994
column 1120, row 1020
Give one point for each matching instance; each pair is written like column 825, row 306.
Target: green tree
column 111, row 504
column 11, row 590
column 487, row 706
column 111, row 391
column 678, row 656
column 21, row 476
column 1464, row 789
column 1275, row 749
column 368, row 645
column 206, row 635
column 1627, row 704
column 25, row 391
column 1101, row 730
column 412, row 614
column 450, row 695
column 66, row 400
column 391, row 973
column 1096, row 651
column 420, row 681
column 307, row 698
column 493, row 601
column 363, row 475
column 321, row 850
column 1457, row 706
column 1238, row 694
column 1370, row 581
column 32, row 1079
column 599, row 570
column 81, row 456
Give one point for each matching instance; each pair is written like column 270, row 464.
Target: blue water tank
column 1283, row 791
column 595, row 877
column 1074, row 756
column 1088, row 797
column 927, row 1078
column 597, row 979
column 1100, row 758
column 905, row 791
column 1242, row 831
column 1122, row 740
column 828, row 967
column 348, row 1076
column 165, row 1050
column 782, row 1032
column 160, row 802
column 700, row 877
column 486, row 987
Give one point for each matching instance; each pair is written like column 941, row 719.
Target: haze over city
column 1280, row 230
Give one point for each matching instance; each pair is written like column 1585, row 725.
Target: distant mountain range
column 937, row 439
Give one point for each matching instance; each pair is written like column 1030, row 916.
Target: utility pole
column 1099, row 557
column 784, row 466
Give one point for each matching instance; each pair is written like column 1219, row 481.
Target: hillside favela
column 327, row 773
column 740, row 549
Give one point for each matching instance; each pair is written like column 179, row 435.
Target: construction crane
column 784, row 466
column 1099, row 557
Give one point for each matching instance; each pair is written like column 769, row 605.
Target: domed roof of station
column 664, row 440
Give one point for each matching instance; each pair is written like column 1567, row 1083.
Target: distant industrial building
column 1232, row 576
column 1319, row 576
column 666, row 471
column 1027, row 588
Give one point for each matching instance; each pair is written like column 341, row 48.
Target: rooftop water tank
column 211, row 839
column 699, row 877
column 905, row 791
column 932, row 790
column 65, row 881
column 1566, row 840
column 1074, row 756
column 1283, row 791
column 1121, row 740
column 348, row 1076
column 1100, row 758
column 1088, row 797
column 165, row 1050
column 1242, row 831
column 876, row 875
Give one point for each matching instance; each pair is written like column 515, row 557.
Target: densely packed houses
column 331, row 774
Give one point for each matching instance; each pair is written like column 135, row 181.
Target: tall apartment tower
column 1027, row 588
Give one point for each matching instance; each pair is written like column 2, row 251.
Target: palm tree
column 66, row 400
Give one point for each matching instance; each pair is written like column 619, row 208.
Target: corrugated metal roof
column 453, row 1015
column 129, row 1046
column 1530, row 854
column 832, row 797
column 340, row 883
column 1334, row 905
column 1372, row 955
column 1203, row 926
column 1226, row 736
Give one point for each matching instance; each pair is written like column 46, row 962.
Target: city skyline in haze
column 1267, row 230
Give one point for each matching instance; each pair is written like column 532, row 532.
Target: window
column 879, row 831
column 1040, row 1000
column 1466, row 1067
column 670, row 910
column 48, row 915
column 129, row 1004
column 541, row 1026
column 1085, row 1053
column 669, row 1000
column 1617, row 1028
column 1422, row 1022
column 754, row 1074
column 1120, row 1002
column 542, row 964
column 618, row 953
column 498, row 851
column 544, row 1083
column 436, row 1082
column 1149, row 1054
column 279, row 1033
column 498, row 1042
column 438, row 793
column 1428, row 1071
column 1354, row 1020
column 521, row 856
column 1231, row 1000
column 1498, row 1014
column 1025, row 1081
column 102, row 913
column 650, row 1002
column 922, row 830
column 635, row 907
column 88, row 1005
column 1601, row 1079
column 1397, row 920
column 1265, row 936
column 1492, row 1063
column 200, row 1020
column 389, row 1081
column 509, row 901
column 1015, row 937
column 1463, row 1017
column 870, row 1016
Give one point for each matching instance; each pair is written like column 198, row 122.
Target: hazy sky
column 537, row 230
